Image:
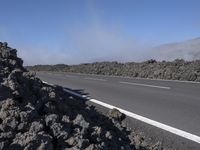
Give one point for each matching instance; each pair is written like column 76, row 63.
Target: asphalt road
column 176, row 104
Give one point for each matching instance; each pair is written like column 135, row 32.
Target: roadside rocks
column 175, row 70
column 116, row 114
column 34, row 115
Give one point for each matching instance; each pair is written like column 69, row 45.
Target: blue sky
column 77, row 31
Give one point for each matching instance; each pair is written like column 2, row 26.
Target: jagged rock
column 138, row 141
column 81, row 121
column 31, row 140
column 116, row 114
column 36, row 127
column 71, row 141
column 82, row 143
column 90, row 147
column 34, row 115
column 65, row 119
column 5, row 44
column 60, row 131
column 175, row 70
column 108, row 135
column 51, row 119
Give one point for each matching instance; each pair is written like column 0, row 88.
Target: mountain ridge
column 187, row 50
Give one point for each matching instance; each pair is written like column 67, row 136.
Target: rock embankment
column 34, row 115
column 175, row 70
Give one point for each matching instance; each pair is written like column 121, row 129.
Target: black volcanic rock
column 175, row 70
column 34, row 115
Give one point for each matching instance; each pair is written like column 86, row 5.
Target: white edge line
column 47, row 83
column 127, row 77
column 173, row 130
column 71, row 76
column 168, row 128
column 137, row 78
column 147, row 85
column 95, row 79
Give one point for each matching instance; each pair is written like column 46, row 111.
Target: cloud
column 99, row 43
column 32, row 54
column 39, row 55
column 93, row 40
column 103, row 41
column 187, row 50
column 88, row 44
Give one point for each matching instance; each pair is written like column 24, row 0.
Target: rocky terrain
column 34, row 115
column 175, row 70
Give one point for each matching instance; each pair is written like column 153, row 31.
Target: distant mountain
column 187, row 50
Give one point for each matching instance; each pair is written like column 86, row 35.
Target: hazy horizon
column 73, row 32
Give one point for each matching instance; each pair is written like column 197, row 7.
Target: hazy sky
column 77, row 31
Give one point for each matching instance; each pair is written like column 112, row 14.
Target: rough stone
column 34, row 115
column 175, row 70
column 116, row 114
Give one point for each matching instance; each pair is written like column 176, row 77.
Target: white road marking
column 165, row 80
column 47, row 83
column 137, row 78
column 147, row 85
column 71, row 76
column 165, row 127
column 97, row 79
column 44, row 82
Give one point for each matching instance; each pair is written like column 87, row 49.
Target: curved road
column 173, row 103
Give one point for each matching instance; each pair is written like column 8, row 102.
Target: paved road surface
column 173, row 103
